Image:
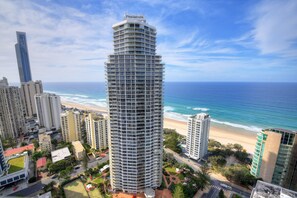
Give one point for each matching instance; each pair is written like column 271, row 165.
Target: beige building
column 45, row 143
column 12, row 120
column 28, row 91
column 78, row 150
column 97, row 131
column 71, row 126
column 275, row 157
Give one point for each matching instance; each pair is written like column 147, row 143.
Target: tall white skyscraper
column 198, row 133
column 135, row 101
column 12, row 120
column 28, row 91
column 71, row 125
column 48, row 107
column 97, row 131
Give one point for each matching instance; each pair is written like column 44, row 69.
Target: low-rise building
column 78, row 150
column 60, row 154
column 45, row 143
column 41, row 163
column 264, row 189
column 11, row 174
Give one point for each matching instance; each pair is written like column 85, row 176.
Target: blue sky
column 199, row 40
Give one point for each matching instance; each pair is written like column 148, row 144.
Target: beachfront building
column 275, row 157
column 28, row 91
column 78, row 150
column 48, row 108
column 198, row 133
column 12, row 120
column 264, row 189
column 22, row 55
column 135, row 101
column 97, row 131
column 71, row 125
column 45, row 141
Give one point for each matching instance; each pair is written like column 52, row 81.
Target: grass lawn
column 98, row 180
column 16, row 164
column 170, row 170
column 95, row 193
column 75, row 189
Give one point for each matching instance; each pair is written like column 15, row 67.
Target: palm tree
column 204, row 178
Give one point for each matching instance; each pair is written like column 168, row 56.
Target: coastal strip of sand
column 222, row 133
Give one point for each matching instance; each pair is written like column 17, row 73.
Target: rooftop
column 60, row 154
column 16, row 164
column 11, row 152
column 78, row 146
column 268, row 190
column 41, row 162
column 280, row 130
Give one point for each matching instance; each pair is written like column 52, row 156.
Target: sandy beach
column 222, row 133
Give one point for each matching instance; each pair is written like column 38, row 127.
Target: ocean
column 248, row 106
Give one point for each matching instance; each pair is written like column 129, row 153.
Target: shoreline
column 221, row 133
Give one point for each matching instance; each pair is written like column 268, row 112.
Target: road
column 29, row 191
column 215, row 182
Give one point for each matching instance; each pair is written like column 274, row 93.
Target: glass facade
column 22, row 55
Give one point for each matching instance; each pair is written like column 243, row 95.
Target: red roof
column 41, row 162
column 18, row 150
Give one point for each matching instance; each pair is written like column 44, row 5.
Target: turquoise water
column 250, row 106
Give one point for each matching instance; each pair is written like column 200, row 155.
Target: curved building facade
column 135, row 100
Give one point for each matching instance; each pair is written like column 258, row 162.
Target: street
column 29, row 191
column 215, row 182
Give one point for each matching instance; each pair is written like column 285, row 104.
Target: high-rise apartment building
column 3, row 164
column 45, row 142
column 28, row 91
column 48, row 108
column 198, row 133
column 71, row 126
column 275, row 157
column 97, row 131
column 22, row 55
column 135, row 101
column 12, row 120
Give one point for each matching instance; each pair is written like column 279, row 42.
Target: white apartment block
column 12, row 120
column 135, row 102
column 48, row 108
column 28, row 91
column 97, row 131
column 71, row 125
column 198, row 133
column 45, row 142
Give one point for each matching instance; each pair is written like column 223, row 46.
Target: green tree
column 217, row 161
column 54, row 142
column 24, row 144
column 221, row 194
column 237, row 147
column 85, row 161
column 36, row 144
column 204, row 179
column 178, row 192
column 212, row 144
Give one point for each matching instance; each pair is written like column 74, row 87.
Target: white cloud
column 275, row 27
